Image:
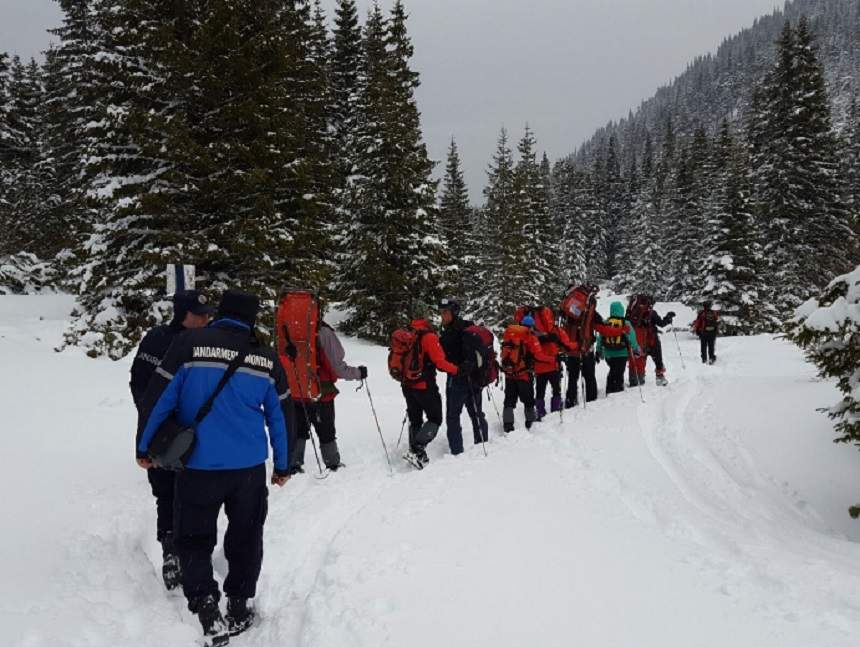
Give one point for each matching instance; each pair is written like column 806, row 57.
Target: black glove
column 598, row 357
column 362, row 371
column 561, row 357
column 669, row 316
column 291, row 351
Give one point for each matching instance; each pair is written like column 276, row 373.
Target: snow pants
column 200, row 494
column 162, row 484
column 585, row 366
column 518, row 390
column 655, row 352
column 707, row 341
column 420, row 403
column 320, row 416
column 615, row 380
column 460, row 393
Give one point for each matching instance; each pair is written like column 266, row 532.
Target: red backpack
column 479, row 340
column 406, row 356
column 516, row 361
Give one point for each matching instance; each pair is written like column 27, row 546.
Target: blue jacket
column 233, row 435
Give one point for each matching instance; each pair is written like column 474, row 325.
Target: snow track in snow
column 714, row 514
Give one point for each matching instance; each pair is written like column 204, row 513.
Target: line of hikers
column 213, row 380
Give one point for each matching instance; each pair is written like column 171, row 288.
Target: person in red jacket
column 520, row 351
column 706, row 327
column 554, row 343
column 422, row 397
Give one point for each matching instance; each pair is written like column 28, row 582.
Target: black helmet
column 450, row 304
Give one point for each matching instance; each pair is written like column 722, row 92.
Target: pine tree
column 455, row 218
column 397, row 262
column 731, row 277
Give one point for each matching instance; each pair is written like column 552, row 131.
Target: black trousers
column 199, row 497
column 553, row 379
column 459, row 394
column 519, row 390
column 319, row 415
column 615, row 380
column 162, row 484
column 708, row 341
column 421, row 404
column 585, row 367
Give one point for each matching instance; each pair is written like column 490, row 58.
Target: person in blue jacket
column 227, row 466
column 191, row 310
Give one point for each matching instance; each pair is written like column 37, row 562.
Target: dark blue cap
column 192, row 301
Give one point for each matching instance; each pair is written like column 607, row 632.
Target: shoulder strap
column 231, row 370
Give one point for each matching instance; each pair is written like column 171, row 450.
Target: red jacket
column 518, row 334
column 553, row 340
column 434, row 356
column 700, row 323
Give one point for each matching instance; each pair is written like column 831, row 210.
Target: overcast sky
column 564, row 66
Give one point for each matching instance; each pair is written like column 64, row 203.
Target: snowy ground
column 714, row 514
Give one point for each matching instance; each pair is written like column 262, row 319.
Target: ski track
column 622, row 493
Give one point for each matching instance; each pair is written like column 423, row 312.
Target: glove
column 362, row 371
column 669, row 316
column 561, row 357
column 637, row 353
column 291, row 351
column 598, row 357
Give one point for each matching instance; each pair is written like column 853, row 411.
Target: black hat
column 236, row 304
column 450, row 304
column 192, row 301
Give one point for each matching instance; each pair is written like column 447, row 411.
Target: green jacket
column 617, row 310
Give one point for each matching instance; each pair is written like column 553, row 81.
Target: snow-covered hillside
column 713, row 514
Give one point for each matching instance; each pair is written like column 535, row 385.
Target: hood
column 616, row 309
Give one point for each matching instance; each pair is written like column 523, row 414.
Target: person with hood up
column 617, row 349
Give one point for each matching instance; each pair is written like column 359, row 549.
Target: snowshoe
column 662, row 381
column 171, row 572
column 240, row 616
column 414, row 460
column 215, row 632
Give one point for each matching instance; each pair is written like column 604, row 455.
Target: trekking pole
column 563, row 381
column 481, row 429
column 378, row 428
column 323, row 474
column 639, row 383
column 495, row 406
column 402, row 427
column 678, row 344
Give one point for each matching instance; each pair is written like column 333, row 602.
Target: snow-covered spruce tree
column 851, row 164
column 345, row 71
column 455, row 220
column 569, row 263
column 731, row 279
column 396, row 260
column 21, row 192
column 827, row 327
column 531, row 208
column 796, row 188
column 502, row 242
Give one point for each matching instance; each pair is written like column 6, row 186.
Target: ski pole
column 402, row 427
column 638, row 382
column 376, row 419
column 495, row 406
column 477, row 411
column 563, row 381
column 678, row 344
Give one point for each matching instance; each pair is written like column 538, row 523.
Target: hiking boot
column 713, row 359
column 296, row 469
column 215, row 632
column 569, row 403
column 421, row 455
column 662, row 381
column 240, row 616
column 171, row 572
column 540, row 410
column 641, row 379
column 632, row 381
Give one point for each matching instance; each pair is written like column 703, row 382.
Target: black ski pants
column 522, row 391
column 586, row 366
column 708, row 341
column 421, row 403
column 459, row 394
column 319, row 415
column 553, row 379
column 200, row 494
column 615, row 379
column 162, row 484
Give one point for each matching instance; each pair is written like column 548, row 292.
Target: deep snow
column 714, row 514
